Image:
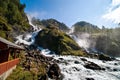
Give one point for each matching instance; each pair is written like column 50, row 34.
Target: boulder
column 76, row 62
column 44, row 67
column 90, row 79
column 54, row 72
column 83, row 59
column 93, row 66
column 105, row 57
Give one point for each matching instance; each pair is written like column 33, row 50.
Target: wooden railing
column 7, row 65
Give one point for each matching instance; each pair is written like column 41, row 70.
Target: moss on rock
column 57, row 41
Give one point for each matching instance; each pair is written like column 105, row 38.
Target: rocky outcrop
column 93, row 66
column 41, row 65
column 57, row 41
column 105, row 57
column 54, row 72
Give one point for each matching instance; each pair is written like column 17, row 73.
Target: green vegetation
column 85, row 27
column 57, row 41
column 109, row 42
column 29, row 68
column 50, row 23
column 11, row 16
column 20, row 74
column 104, row 57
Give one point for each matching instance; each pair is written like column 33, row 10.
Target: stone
column 61, row 59
column 83, row 59
column 93, row 66
column 76, row 62
column 105, row 57
column 54, row 72
column 115, row 70
column 90, row 79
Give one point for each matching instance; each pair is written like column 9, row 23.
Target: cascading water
column 81, row 39
column 35, row 27
column 72, row 67
column 28, row 38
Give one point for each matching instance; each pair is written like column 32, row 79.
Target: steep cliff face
column 13, row 20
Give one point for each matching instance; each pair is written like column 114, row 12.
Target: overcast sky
column 98, row 12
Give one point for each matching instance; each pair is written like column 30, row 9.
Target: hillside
column 83, row 26
column 13, row 20
column 102, row 40
column 50, row 23
column 51, row 54
column 58, row 42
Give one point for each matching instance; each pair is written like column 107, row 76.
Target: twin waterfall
column 72, row 67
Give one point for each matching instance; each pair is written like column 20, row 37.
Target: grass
column 58, row 41
column 20, row 74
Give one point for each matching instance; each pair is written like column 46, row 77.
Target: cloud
column 115, row 2
column 113, row 12
column 37, row 14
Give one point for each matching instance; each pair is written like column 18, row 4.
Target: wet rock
column 115, row 64
column 115, row 70
column 90, row 79
column 108, row 67
column 57, row 61
column 105, row 57
column 61, row 59
column 102, row 68
column 83, row 59
column 75, row 68
column 76, row 62
column 54, row 72
column 93, row 66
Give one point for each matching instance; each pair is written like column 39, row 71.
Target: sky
column 97, row 12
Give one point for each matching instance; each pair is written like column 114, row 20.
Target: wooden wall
column 4, row 52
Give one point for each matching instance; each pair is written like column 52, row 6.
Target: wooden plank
column 7, row 65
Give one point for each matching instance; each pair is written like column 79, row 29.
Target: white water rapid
column 29, row 38
column 72, row 67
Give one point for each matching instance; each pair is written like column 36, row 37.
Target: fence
column 7, row 65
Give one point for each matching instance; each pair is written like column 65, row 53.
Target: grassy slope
column 58, row 41
column 12, row 18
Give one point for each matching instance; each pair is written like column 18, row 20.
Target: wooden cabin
column 6, row 63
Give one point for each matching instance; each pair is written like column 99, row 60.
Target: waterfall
column 82, row 39
column 28, row 38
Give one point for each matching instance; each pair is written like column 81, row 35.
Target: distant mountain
column 50, row 23
column 55, row 23
column 83, row 26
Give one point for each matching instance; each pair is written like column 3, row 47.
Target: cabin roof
column 10, row 44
